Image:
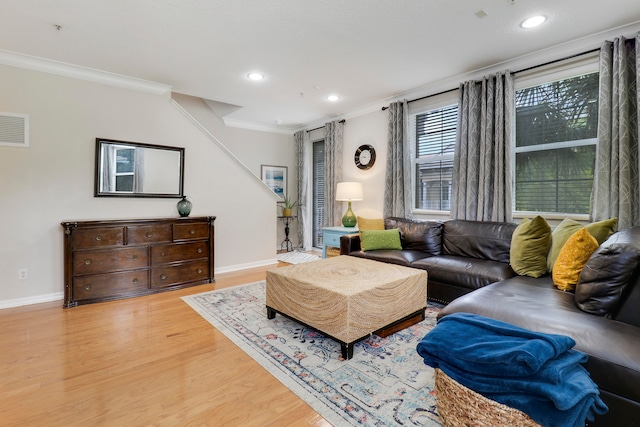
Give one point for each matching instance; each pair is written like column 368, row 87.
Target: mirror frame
column 102, row 141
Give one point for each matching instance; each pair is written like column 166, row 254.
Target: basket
column 460, row 406
column 331, row 251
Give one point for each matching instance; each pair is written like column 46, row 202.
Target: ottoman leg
column 346, row 350
column 271, row 313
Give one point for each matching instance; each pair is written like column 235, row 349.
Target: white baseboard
column 59, row 296
column 237, row 267
column 19, row 302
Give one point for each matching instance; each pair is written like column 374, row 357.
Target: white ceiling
column 366, row 51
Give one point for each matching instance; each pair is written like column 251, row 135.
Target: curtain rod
column 311, row 130
column 515, row 72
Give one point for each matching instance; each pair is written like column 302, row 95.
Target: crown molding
column 34, row 63
column 234, row 123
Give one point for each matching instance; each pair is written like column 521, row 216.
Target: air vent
column 14, row 129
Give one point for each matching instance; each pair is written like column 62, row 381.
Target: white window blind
column 435, row 140
column 318, row 192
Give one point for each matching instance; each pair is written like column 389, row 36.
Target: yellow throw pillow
column 370, row 224
column 529, row 247
column 572, row 258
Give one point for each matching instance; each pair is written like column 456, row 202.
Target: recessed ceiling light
column 333, row 98
column 255, row 76
column 534, row 21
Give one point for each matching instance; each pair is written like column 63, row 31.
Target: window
column 318, row 193
column 435, row 139
column 556, row 137
column 125, row 168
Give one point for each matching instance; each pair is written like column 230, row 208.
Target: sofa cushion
column 371, row 240
column 613, row 347
column 478, row 239
column 607, row 273
column 572, row 259
column 529, row 247
column 404, row 257
column 464, row 271
column 418, row 235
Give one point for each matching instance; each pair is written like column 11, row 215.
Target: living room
column 52, row 180
column 70, row 105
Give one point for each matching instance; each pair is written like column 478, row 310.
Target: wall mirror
column 132, row 169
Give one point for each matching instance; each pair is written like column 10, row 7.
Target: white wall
column 52, row 180
column 367, row 129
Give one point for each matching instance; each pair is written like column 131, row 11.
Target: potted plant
column 288, row 205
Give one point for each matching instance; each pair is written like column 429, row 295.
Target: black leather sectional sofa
column 468, row 268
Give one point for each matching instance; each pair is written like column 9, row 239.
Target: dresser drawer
column 141, row 234
column 162, row 277
column 161, row 254
column 111, row 285
column 198, row 230
column 103, row 261
column 98, row 237
column 331, row 239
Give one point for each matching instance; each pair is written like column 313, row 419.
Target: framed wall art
column 275, row 177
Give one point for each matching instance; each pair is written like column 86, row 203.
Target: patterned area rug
column 296, row 257
column 386, row 382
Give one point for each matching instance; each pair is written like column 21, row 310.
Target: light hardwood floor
column 137, row 362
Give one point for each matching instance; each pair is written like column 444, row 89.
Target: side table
column 286, row 243
column 331, row 237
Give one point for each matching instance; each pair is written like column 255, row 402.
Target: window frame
column 573, row 67
column 417, row 108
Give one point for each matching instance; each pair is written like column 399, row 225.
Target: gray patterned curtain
column 482, row 183
column 397, row 187
column 303, row 183
column 138, row 176
column 332, row 172
column 616, row 182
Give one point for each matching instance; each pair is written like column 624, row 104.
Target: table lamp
column 348, row 192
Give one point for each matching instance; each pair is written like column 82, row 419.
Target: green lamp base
column 349, row 219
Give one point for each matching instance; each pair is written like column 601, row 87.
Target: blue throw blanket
column 490, row 346
column 536, row 373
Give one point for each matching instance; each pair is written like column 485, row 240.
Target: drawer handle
column 135, row 280
column 135, row 257
column 87, row 262
column 199, row 250
column 162, row 254
column 88, row 287
column 98, row 238
column 192, row 232
column 163, row 276
column 199, row 270
column 149, row 234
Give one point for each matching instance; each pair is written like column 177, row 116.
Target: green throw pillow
column 602, row 230
column 559, row 237
column 529, row 247
column 371, row 240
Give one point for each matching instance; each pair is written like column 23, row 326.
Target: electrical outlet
column 23, row 274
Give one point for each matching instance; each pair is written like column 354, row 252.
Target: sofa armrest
column 349, row 243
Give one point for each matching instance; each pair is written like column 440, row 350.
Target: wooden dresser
column 107, row 260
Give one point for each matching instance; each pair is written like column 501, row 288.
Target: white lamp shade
column 349, row 191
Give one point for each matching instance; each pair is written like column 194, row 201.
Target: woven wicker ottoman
column 348, row 298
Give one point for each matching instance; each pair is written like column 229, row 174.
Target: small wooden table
column 347, row 298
